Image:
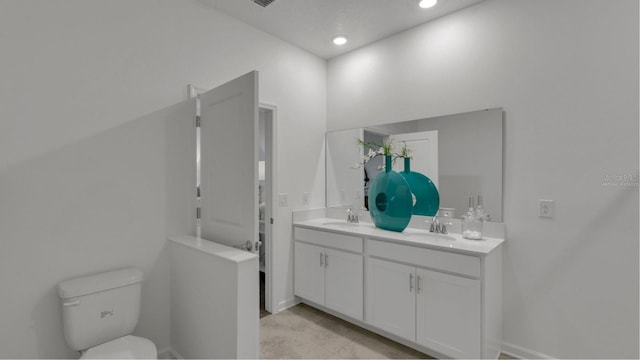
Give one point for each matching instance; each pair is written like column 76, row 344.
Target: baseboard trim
column 523, row 353
column 285, row 304
column 169, row 353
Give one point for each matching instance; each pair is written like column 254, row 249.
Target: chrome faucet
column 436, row 227
column 352, row 217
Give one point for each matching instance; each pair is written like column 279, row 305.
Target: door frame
column 270, row 191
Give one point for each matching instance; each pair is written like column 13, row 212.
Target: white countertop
column 215, row 249
column 410, row 236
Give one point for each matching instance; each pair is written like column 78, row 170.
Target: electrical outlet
column 283, row 199
column 305, row 199
column 343, row 195
column 547, row 209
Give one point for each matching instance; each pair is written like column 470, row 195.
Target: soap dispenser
column 472, row 223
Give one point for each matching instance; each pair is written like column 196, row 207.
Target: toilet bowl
column 101, row 311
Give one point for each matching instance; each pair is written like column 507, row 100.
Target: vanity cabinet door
column 344, row 282
column 448, row 313
column 309, row 272
column 391, row 297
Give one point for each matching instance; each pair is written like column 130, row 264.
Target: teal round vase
column 427, row 198
column 390, row 200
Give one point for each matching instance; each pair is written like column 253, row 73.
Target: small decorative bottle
column 481, row 212
column 471, row 223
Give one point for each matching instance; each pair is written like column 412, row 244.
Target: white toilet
column 100, row 311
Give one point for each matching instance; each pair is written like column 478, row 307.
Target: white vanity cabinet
column 309, row 272
column 448, row 313
column 436, row 310
column 391, row 300
column 425, row 295
column 329, row 270
column 438, row 294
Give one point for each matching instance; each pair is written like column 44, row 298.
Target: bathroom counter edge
column 411, row 236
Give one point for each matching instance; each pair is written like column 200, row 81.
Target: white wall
column 566, row 74
column 84, row 160
column 97, row 204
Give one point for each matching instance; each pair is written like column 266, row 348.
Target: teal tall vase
column 390, row 200
column 427, row 198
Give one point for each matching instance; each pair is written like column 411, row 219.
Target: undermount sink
column 430, row 236
column 341, row 223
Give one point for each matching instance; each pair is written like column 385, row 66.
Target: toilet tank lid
column 99, row 282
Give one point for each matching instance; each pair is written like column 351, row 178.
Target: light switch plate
column 283, row 199
column 547, row 209
column 305, row 199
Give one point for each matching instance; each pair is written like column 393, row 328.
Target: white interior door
column 424, row 145
column 229, row 161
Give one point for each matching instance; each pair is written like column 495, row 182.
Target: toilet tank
column 101, row 307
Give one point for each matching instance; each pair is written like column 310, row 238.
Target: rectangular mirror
column 461, row 154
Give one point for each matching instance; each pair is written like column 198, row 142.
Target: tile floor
column 303, row 332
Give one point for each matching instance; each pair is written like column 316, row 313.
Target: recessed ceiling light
column 340, row 40
column 425, row 4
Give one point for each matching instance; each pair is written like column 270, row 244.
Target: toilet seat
column 126, row 347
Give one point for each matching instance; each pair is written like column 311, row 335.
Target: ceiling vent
column 263, row 3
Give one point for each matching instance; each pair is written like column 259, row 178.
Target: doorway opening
column 266, row 184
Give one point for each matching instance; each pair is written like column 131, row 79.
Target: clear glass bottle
column 471, row 223
column 446, row 216
column 481, row 212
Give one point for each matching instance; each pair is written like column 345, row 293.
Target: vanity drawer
column 442, row 260
column 329, row 239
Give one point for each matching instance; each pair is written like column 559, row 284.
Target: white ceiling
column 311, row 24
